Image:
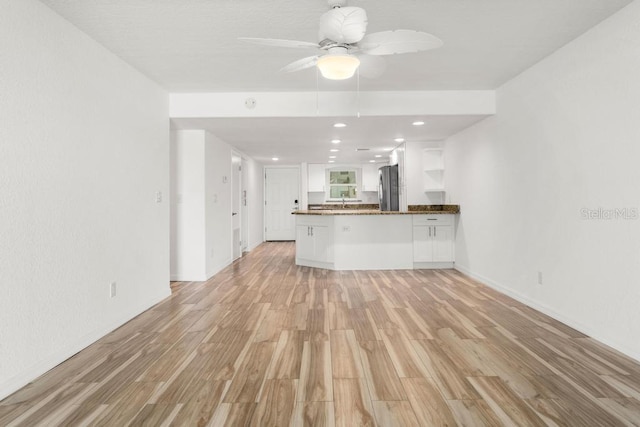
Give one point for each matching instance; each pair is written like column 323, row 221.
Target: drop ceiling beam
column 332, row 104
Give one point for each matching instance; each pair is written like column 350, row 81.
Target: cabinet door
column 320, row 236
column 317, row 177
column 370, row 177
column 422, row 244
column 442, row 237
column 304, row 242
column 312, row 242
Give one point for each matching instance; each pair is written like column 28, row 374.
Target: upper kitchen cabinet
column 370, row 177
column 317, row 177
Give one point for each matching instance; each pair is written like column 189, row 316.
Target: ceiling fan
column 346, row 47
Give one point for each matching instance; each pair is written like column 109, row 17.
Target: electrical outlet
column 346, row 228
column 539, row 277
column 112, row 289
column 158, row 196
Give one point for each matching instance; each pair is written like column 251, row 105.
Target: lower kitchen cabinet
column 433, row 239
column 349, row 241
column 312, row 241
column 314, row 245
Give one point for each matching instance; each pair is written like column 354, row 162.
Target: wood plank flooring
column 267, row 343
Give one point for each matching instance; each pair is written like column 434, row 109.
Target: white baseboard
column 187, row 278
column 315, row 264
column 218, row 268
column 431, row 265
column 50, row 361
column 549, row 311
column 252, row 247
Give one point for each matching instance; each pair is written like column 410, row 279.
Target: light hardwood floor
column 267, row 343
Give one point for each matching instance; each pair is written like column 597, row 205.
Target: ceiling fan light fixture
column 338, row 66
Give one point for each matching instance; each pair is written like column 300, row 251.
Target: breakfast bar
column 368, row 239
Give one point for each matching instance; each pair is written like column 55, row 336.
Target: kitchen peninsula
column 368, row 239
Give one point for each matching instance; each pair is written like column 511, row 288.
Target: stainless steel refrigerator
column 388, row 188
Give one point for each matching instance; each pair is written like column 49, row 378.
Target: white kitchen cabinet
column 433, row 243
column 370, row 177
column 314, row 240
column 347, row 241
column 433, row 239
column 316, row 177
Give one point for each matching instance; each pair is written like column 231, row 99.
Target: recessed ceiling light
column 275, row 159
column 332, row 157
column 339, row 125
column 332, row 161
column 334, row 150
column 418, row 123
column 335, row 141
column 378, row 155
column 372, row 161
column 399, row 140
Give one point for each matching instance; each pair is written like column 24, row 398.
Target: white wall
column 84, row 147
column 566, row 138
column 218, row 195
column 254, row 184
column 201, row 223
column 188, row 229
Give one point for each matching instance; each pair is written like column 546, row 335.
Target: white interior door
column 244, row 208
column 282, row 190
column 236, row 205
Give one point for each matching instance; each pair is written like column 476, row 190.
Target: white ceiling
column 309, row 138
column 192, row 46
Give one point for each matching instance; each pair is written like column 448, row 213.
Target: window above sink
column 343, row 184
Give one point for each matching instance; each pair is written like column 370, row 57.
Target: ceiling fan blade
column 300, row 64
column 371, row 67
column 398, row 41
column 343, row 25
column 279, row 42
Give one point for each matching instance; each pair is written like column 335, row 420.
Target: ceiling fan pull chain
column 358, row 92
column 317, row 93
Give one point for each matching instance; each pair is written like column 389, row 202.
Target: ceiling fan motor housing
column 336, row 3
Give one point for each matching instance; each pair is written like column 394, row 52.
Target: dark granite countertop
column 413, row 210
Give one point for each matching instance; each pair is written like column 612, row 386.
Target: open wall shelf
column 433, row 167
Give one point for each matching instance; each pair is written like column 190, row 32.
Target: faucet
column 343, row 203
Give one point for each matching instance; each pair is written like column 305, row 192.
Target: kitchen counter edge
column 371, row 212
